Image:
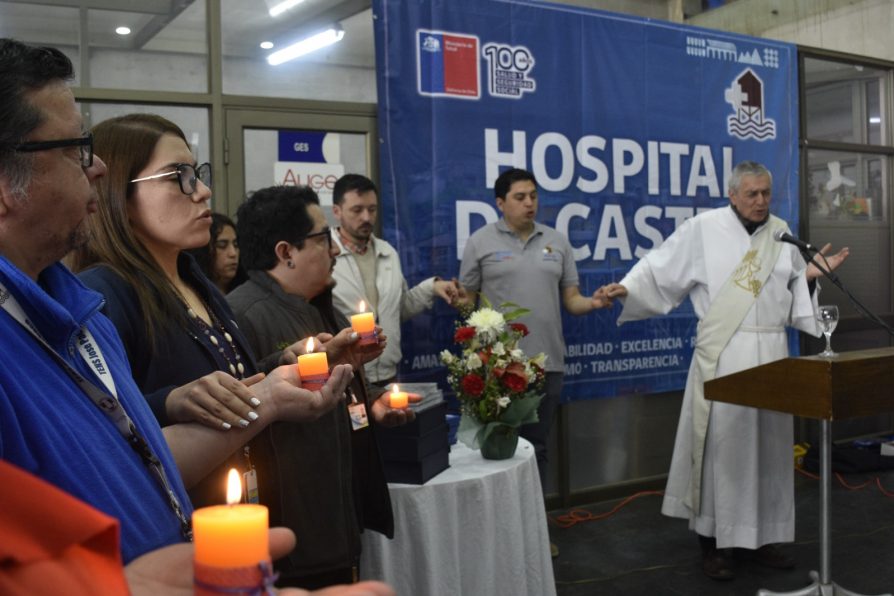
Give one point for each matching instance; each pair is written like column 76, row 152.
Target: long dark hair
column 206, row 255
column 129, row 141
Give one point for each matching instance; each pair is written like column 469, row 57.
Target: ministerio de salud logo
column 448, row 65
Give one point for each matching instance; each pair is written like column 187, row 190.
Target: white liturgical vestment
column 747, row 485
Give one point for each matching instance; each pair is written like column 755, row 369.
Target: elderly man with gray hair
column 731, row 472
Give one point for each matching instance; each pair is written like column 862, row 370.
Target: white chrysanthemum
column 499, row 349
column 529, row 372
column 517, row 355
column 447, row 357
column 487, row 323
column 503, row 401
column 473, row 361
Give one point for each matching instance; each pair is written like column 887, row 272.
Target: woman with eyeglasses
column 186, row 353
column 219, row 259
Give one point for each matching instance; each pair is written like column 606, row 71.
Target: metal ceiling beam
column 159, row 7
column 157, row 23
column 309, row 22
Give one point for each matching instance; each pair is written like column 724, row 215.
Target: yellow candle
column 312, row 363
column 231, row 535
column 313, row 367
column 363, row 322
column 398, row 399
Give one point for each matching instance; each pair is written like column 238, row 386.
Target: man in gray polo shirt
column 519, row 260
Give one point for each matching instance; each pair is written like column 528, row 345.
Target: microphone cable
column 859, row 306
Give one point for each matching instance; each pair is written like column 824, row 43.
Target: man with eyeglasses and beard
column 331, row 466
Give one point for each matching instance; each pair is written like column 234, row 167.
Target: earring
column 290, row 264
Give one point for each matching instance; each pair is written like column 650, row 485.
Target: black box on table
column 418, row 472
column 419, row 450
column 399, row 447
column 427, row 419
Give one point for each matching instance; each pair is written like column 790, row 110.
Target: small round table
column 478, row 527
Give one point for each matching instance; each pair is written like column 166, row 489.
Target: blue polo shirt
column 51, row 428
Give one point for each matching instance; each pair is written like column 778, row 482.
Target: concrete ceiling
column 179, row 25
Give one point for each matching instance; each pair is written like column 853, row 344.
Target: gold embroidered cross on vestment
column 744, row 273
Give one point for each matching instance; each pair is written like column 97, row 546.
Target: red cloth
column 52, row 543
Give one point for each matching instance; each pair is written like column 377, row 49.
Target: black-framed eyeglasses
column 324, row 232
column 187, row 174
column 85, row 144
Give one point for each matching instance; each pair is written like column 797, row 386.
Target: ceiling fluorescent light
column 284, row 6
column 306, row 46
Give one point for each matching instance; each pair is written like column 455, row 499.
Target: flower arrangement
column 498, row 386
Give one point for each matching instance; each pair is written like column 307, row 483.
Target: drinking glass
column 827, row 316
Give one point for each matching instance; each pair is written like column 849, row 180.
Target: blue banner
column 629, row 125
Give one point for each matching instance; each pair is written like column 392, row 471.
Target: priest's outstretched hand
column 830, row 262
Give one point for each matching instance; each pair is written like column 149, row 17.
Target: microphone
column 781, row 236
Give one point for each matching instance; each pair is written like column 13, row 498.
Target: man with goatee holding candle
column 327, row 480
column 368, row 269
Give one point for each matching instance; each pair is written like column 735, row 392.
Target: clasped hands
column 343, row 347
column 220, row 401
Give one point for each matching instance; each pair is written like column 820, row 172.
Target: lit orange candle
column 364, row 324
column 313, row 367
column 398, row 399
column 231, row 535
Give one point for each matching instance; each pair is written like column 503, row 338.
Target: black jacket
column 179, row 357
column 329, row 479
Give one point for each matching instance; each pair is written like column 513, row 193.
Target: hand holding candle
column 398, row 399
column 313, row 368
column 231, row 545
column 364, row 324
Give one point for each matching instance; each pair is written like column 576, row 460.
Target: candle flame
column 309, row 348
column 234, row 487
column 395, row 388
column 361, row 307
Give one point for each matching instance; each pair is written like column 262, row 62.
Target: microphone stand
column 861, row 308
column 822, row 584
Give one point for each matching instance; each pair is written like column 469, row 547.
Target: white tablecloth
column 476, row 529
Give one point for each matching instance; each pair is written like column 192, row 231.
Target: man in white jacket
column 731, row 473
column 368, row 269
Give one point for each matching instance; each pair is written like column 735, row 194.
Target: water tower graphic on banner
column 746, row 95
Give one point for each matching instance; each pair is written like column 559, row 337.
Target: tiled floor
column 639, row 551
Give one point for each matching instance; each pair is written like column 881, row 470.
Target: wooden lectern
column 847, row 385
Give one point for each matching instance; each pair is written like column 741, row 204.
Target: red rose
column 515, row 378
column 463, row 334
column 514, row 382
column 473, row 384
column 484, row 355
column 519, row 327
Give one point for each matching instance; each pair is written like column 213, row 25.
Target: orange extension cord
column 576, row 516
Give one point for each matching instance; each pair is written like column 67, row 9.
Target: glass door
column 264, row 148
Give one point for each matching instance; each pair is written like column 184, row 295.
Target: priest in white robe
column 731, row 473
